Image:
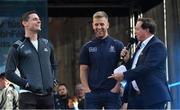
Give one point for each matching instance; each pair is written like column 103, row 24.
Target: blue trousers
column 100, row 99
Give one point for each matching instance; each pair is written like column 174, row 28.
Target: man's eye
column 102, row 24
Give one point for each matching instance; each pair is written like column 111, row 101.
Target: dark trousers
column 106, row 99
column 161, row 105
column 137, row 103
column 29, row 100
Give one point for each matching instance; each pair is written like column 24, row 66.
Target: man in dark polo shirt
column 98, row 58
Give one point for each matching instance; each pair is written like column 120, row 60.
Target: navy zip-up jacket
column 37, row 67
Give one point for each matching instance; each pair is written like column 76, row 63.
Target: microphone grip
column 127, row 48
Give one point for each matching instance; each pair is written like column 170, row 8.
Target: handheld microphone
column 131, row 41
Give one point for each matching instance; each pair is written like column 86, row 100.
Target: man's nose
column 99, row 26
column 39, row 21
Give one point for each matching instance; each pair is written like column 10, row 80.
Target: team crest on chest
column 45, row 49
column 92, row 49
column 112, row 49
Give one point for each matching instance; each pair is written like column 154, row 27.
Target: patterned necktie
column 138, row 46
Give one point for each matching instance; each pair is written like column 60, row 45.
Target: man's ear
column 147, row 30
column 24, row 23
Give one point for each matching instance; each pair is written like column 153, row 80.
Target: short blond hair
column 100, row 14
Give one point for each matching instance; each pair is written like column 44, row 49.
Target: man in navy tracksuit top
column 35, row 61
column 98, row 58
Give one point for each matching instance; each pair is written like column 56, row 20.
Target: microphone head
column 133, row 40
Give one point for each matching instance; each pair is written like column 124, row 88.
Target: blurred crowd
column 62, row 99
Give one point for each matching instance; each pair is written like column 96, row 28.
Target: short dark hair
column 25, row 16
column 62, row 84
column 148, row 23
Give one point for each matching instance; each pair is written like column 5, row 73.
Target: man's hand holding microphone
column 125, row 54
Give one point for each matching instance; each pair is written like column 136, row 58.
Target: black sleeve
column 53, row 60
column 84, row 55
column 11, row 66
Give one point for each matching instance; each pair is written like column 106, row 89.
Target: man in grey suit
column 146, row 70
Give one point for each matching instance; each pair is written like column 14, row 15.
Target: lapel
column 145, row 49
column 148, row 44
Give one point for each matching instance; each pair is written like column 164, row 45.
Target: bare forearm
column 116, row 88
column 84, row 77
